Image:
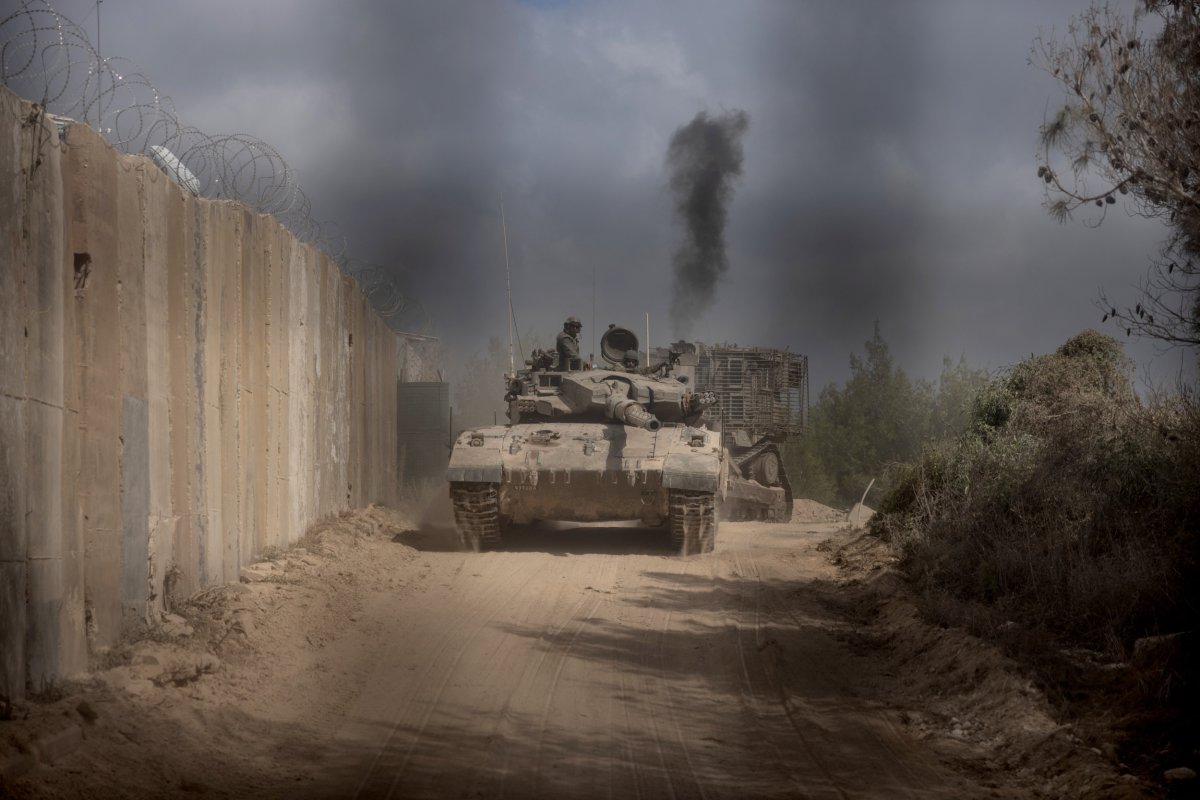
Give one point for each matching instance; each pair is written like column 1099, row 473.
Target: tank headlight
column 476, row 441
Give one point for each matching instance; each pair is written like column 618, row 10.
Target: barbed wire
column 402, row 311
column 48, row 59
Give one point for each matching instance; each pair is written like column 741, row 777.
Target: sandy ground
column 378, row 661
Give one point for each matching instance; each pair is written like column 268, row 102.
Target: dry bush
column 1068, row 506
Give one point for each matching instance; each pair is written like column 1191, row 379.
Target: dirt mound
column 859, row 515
column 966, row 698
column 804, row 510
column 191, row 695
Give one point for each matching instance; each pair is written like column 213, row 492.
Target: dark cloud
column 889, row 172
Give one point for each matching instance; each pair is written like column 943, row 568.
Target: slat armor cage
column 761, row 391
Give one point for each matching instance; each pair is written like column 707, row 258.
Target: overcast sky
column 889, row 168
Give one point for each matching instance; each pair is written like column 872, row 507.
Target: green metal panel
column 423, row 430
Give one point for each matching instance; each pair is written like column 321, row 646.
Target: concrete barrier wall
column 182, row 385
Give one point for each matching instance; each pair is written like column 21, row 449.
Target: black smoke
column 704, row 158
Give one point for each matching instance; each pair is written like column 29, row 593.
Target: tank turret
column 635, row 399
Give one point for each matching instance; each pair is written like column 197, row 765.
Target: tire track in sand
column 447, row 638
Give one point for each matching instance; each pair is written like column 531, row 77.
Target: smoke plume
column 704, row 158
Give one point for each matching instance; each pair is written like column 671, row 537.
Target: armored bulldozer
column 592, row 445
column 762, row 402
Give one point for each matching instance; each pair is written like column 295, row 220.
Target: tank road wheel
column 476, row 515
column 693, row 522
column 766, row 468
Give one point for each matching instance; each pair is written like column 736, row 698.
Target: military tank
column 591, row 445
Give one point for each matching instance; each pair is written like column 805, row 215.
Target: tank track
column 477, row 515
column 745, row 463
column 693, row 520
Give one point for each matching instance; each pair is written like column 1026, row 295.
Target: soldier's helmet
column 630, row 359
column 572, row 322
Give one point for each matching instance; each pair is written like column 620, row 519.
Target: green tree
column 1129, row 131
column 957, row 388
column 879, row 417
column 855, row 429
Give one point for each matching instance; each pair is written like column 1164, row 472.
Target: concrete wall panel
column 157, row 200
column 13, row 444
column 44, row 336
column 196, row 460
column 72, row 656
column 387, row 432
column 325, row 375
column 13, row 432
column 279, row 411
column 182, row 384
column 135, row 507
column 43, row 226
column 94, row 225
column 55, row 631
column 287, row 450
column 182, row 571
column 295, row 288
column 340, row 397
column 135, row 434
column 12, row 627
column 312, row 399
column 13, row 541
column 358, row 350
column 252, row 385
column 228, row 230
column 45, row 666
column 42, row 472
column 12, row 251
column 208, row 391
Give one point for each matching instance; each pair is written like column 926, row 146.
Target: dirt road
column 579, row 662
column 594, row 663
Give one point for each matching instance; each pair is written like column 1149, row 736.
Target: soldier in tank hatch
column 567, row 344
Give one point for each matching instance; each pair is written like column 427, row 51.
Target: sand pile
column 812, row 511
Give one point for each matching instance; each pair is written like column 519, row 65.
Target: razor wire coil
column 48, row 59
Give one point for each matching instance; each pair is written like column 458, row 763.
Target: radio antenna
column 647, row 338
column 512, row 364
column 592, row 356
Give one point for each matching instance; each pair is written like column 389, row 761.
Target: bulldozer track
column 746, row 466
column 477, row 514
column 693, row 521
column 745, row 459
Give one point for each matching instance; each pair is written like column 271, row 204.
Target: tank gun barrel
column 622, row 409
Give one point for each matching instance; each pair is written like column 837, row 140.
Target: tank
column 592, row 445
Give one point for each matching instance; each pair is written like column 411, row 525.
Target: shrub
column 1067, row 505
